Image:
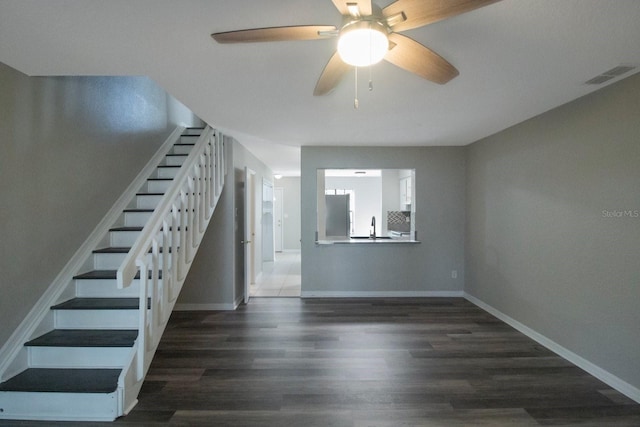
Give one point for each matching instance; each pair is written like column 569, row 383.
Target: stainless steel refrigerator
column 337, row 216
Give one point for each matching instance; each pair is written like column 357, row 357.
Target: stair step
column 126, row 229
column 85, row 338
column 183, row 147
column 98, row 304
column 112, row 250
column 131, row 229
column 117, row 250
column 148, row 200
column 105, row 288
column 104, row 275
column 137, row 217
column 167, row 171
column 64, row 381
column 193, row 131
column 136, row 210
column 176, row 159
column 111, row 258
column 96, row 313
column 149, row 194
column 158, row 184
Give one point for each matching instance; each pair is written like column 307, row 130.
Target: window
column 352, row 203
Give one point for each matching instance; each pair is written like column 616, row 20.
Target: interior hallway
column 281, row 278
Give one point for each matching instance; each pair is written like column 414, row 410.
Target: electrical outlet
column 454, row 274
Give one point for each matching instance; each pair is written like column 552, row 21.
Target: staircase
column 84, row 353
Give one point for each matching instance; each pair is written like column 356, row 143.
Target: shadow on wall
column 107, row 106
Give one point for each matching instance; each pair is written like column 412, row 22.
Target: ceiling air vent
column 610, row 74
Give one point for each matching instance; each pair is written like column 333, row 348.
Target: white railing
column 162, row 254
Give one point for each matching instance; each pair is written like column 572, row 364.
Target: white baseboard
column 381, row 294
column 238, row 301
column 603, row 375
column 204, row 307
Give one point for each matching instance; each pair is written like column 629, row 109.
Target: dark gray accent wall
column 403, row 268
column 553, row 231
column 69, row 146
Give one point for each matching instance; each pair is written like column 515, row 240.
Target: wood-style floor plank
column 364, row 362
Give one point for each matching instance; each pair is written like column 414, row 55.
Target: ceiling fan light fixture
column 363, row 43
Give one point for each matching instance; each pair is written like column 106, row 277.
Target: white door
column 249, row 231
column 278, row 198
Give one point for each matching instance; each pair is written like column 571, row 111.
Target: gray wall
column 69, row 146
column 440, row 219
column 216, row 277
column 210, row 279
column 544, row 242
column 290, row 212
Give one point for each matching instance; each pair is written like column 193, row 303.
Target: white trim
column 603, row 375
column 204, row 307
column 381, row 294
column 238, row 301
column 29, row 325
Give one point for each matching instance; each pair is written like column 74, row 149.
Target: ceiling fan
column 369, row 34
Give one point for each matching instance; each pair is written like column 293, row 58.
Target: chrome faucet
column 372, row 234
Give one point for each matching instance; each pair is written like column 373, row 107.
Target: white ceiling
column 517, row 59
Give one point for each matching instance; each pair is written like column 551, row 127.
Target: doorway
column 280, row 278
column 267, row 221
column 278, row 232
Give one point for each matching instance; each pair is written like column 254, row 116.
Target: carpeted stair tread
column 134, row 210
column 112, row 250
column 126, row 229
column 98, row 304
column 104, row 274
column 85, row 338
column 64, row 381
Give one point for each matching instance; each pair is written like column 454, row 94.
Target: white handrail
column 163, row 252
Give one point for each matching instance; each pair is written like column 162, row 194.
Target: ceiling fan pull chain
column 356, row 104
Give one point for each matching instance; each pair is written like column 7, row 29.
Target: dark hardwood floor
column 364, row 362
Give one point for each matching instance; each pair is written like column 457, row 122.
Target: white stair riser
column 78, row 357
column 96, row 319
column 158, row 186
column 190, row 139
column 110, row 261
column 192, row 131
column 148, row 202
column 167, row 172
column 182, row 149
column 136, row 219
column 105, row 288
column 175, row 160
column 126, row 239
column 58, row 406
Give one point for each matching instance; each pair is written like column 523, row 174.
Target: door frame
column 249, row 231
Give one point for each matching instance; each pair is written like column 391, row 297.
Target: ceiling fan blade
column 332, row 75
column 274, row 34
column 410, row 55
column 417, row 13
column 355, row 8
